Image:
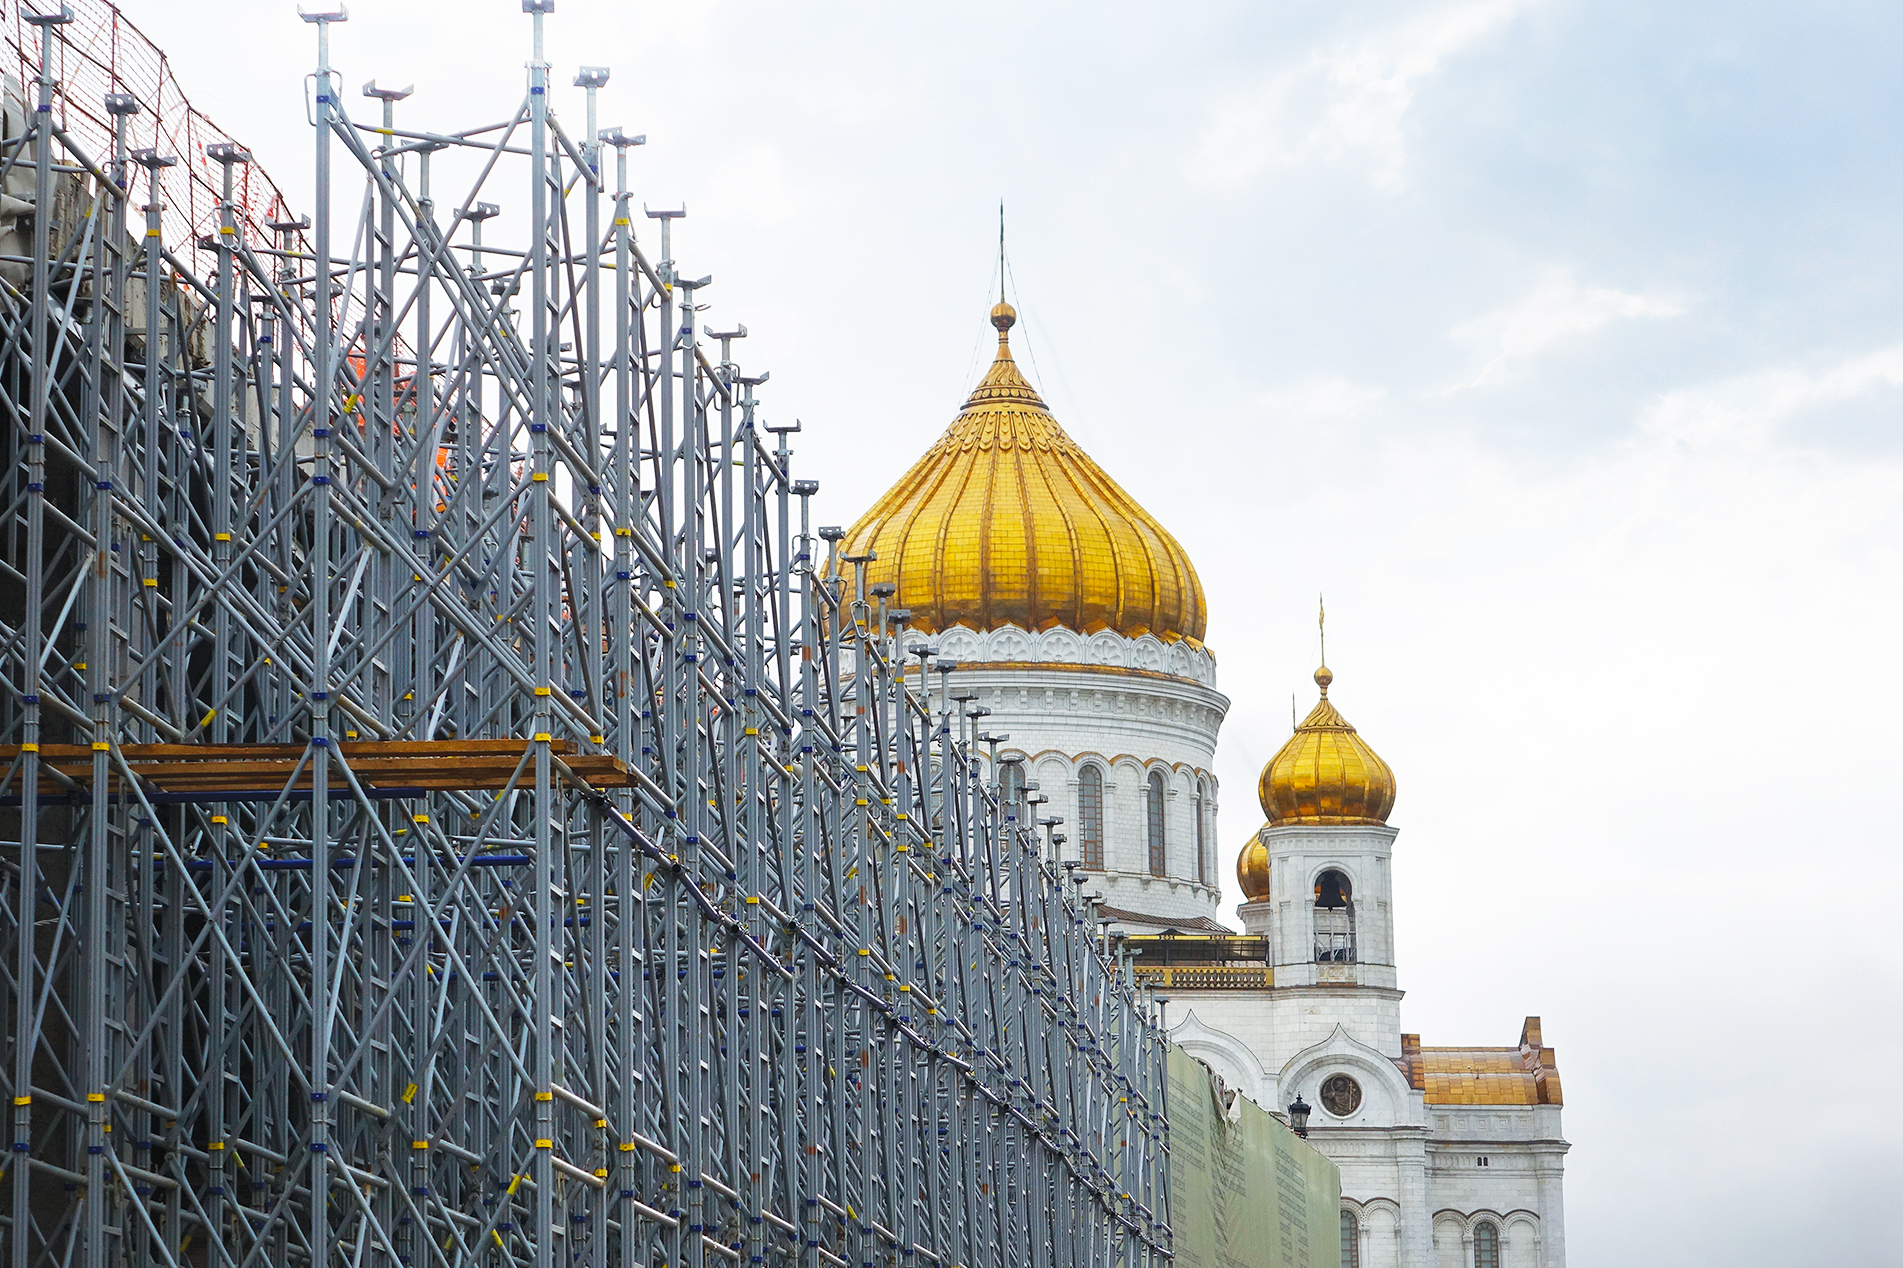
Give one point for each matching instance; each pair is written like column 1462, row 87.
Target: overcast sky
column 1559, row 343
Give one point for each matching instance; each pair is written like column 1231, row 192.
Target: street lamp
column 1298, row 1116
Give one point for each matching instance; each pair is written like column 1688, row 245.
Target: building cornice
column 1339, row 988
column 1145, row 656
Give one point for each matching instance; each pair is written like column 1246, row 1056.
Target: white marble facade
column 1121, row 710
column 1426, row 1185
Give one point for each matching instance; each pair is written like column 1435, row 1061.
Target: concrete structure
column 1245, row 1191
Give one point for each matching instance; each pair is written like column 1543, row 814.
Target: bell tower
column 1448, row 1155
column 1318, row 882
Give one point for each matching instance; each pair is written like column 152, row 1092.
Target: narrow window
column 1202, row 845
column 1090, row 816
column 1334, row 919
column 1350, row 1240
column 1158, row 855
column 1486, row 1245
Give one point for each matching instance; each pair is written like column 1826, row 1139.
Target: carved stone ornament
column 1341, row 1095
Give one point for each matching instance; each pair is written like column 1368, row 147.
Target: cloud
column 1749, row 406
column 1559, row 308
column 1342, row 106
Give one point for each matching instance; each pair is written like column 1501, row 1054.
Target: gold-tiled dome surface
column 1326, row 773
column 1252, row 869
column 1007, row 521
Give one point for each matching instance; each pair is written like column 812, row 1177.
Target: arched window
column 1334, row 919
column 1090, row 816
column 1202, row 844
column 1350, row 1240
column 1011, row 787
column 1486, row 1245
column 1159, row 855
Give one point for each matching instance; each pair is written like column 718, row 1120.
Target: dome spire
column 1322, row 676
column 1001, row 250
column 1003, row 316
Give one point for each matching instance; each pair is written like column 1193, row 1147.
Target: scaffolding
column 451, row 813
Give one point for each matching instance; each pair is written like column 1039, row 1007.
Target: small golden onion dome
column 1252, row 869
column 1007, row 521
column 1326, row 773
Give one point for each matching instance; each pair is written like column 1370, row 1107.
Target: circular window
column 1341, row 1095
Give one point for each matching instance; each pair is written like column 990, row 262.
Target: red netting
column 100, row 52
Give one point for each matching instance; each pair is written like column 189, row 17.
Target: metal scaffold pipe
column 450, row 812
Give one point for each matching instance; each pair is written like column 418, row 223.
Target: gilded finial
column 1003, row 317
column 1322, row 676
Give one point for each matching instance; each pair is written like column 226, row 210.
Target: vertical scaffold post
column 317, row 578
column 544, row 1010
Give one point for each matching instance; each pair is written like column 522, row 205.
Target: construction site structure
column 438, row 823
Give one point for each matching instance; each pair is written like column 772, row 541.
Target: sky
column 1559, row 344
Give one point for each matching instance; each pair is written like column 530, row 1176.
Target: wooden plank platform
column 380, row 766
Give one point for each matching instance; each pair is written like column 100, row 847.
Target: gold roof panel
column 1007, row 521
column 1526, row 1075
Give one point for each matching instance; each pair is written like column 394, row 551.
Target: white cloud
column 1343, row 105
column 1746, row 407
column 1559, row 308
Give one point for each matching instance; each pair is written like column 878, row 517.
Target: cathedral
column 1076, row 623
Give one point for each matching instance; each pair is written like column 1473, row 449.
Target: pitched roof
column 1198, row 924
column 1526, row 1075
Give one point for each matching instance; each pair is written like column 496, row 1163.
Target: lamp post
column 1298, row 1116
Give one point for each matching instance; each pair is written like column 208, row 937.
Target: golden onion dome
column 1007, row 521
column 1252, row 869
column 1326, row 773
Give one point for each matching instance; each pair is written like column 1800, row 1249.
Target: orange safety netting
column 101, row 52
